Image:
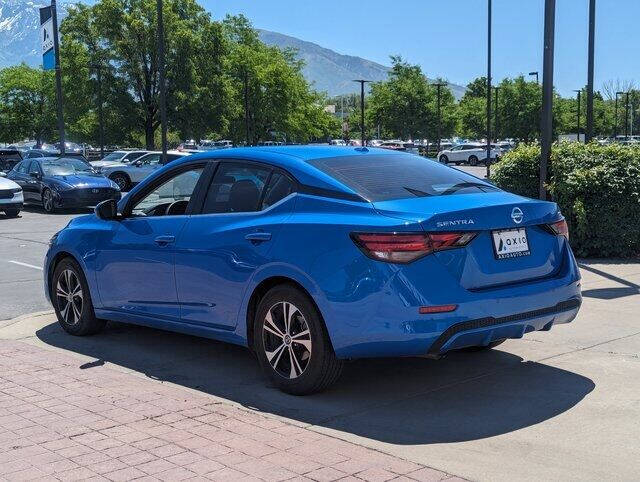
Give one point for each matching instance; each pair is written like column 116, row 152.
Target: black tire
column 122, row 180
column 47, row 201
column 491, row 345
column 312, row 355
column 444, row 159
column 12, row 213
column 75, row 314
column 473, row 160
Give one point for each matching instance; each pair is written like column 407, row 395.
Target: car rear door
column 220, row 249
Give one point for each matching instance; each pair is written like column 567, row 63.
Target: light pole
column 547, row 94
column 362, row 133
column 98, row 69
column 56, row 52
column 161, row 68
column 626, row 115
column 439, row 86
column 488, row 88
column 536, row 74
column 615, row 129
column 578, row 116
column 592, row 27
column 495, row 113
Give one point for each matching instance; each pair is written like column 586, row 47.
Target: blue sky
column 448, row 37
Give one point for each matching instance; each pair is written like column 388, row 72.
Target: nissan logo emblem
column 517, row 215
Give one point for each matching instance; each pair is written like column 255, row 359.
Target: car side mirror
column 107, row 210
column 35, row 175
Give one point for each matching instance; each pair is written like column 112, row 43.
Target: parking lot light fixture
column 536, row 75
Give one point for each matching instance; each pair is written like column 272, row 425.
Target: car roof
column 294, row 159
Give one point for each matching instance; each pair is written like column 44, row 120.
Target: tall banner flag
column 46, row 39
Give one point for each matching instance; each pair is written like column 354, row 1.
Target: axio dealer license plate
column 510, row 243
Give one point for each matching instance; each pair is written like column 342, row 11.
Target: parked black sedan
column 62, row 183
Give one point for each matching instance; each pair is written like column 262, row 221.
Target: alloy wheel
column 287, row 340
column 47, row 201
column 121, row 182
column 69, row 296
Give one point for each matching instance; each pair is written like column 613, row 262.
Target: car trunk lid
column 479, row 265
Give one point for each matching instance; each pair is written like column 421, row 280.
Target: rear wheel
column 12, row 213
column 473, row 160
column 72, row 300
column 491, row 345
column 122, row 180
column 291, row 343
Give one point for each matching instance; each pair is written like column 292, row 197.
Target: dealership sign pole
column 51, row 58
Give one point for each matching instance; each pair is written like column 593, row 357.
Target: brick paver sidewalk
column 61, row 422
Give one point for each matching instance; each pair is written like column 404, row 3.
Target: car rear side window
column 279, row 187
column 383, row 177
column 236, row 188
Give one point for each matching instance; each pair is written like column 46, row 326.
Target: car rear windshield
column 384, row 177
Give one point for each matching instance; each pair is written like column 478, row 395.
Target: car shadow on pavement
column 464, row 396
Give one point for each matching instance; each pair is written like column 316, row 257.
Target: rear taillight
column 559, row 228
column 407, row 247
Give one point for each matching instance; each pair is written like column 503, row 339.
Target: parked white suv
column 469, row 153
column 11, row 197
column 127, row 175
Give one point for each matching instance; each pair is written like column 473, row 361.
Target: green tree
column 122, row 36
column 27, row 104
column 405, row 105
column 272, row 100
column 519, row 108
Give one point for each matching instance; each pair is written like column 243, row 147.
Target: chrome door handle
column 258, row 237
column 165, row 240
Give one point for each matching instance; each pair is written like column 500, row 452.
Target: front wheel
column 122, row 180
column 444, row 159
column 291, row 343
column 12, row 213
column 72, row 301
column 47, row 201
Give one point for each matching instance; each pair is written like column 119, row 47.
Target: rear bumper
column 483, row 331
column 386, row 321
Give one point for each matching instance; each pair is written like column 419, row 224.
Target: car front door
column 135, row 257
column 220, row 249
column 33, row 189
column 143, row 167
column 20, row 175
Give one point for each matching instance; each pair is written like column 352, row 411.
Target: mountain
column 332, row 72
column 325, row 69
column 19, row 31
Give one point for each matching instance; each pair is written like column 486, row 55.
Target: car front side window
column 171, row 197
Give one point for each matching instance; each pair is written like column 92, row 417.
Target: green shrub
column 597, row 188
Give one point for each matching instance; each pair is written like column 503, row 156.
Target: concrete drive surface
column 558, row 405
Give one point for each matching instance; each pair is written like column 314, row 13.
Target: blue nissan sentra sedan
column 313, row 255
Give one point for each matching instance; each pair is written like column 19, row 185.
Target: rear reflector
column 425, row 310
column 560, row 228
column 407, row 247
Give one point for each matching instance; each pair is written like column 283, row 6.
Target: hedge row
column 596, row 186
